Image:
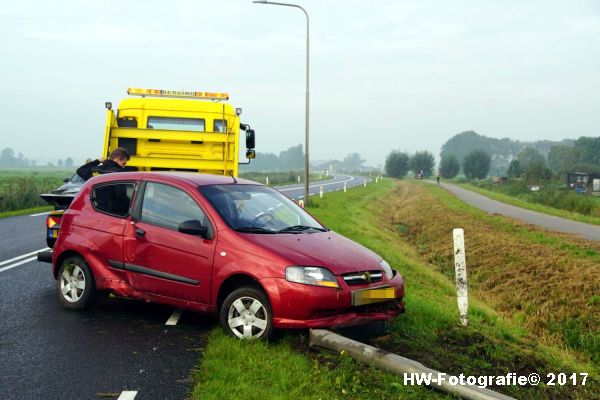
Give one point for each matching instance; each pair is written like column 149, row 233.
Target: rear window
column 113, row 198
column 176, row 124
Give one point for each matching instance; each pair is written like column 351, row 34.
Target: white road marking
column 17, row 264
column 36, row 215
column 128, row 395
column 314, row 186
column 174, row 318
column 23, row 256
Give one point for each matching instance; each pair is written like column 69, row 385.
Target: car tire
column 75, row 284
column 246, row 314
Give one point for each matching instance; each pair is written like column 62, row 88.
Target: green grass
column 428, row 332
column 25, row 211
column 20, row 188
column 505, row 198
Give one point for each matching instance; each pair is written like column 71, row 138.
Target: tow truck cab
column 167, row 130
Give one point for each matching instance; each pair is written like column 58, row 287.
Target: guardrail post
column 460, row 266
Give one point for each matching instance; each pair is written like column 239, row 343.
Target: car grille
column 362, row 277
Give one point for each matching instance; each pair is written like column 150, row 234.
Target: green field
column 494, row 342
column 20, row 188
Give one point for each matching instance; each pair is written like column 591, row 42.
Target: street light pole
column 306, row 113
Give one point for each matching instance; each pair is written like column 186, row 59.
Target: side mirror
column 193, row 227
column 65, row 180
column 250, row 154
column 250, row 142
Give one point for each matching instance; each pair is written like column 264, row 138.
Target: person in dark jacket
column 116, row 163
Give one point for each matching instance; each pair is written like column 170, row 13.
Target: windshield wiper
column 300, row 228
column 253, row 229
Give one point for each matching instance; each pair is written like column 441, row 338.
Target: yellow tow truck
column 178, row 130
column 167, row 130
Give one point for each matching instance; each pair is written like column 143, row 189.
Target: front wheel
column 75, row 284
column 246, row 314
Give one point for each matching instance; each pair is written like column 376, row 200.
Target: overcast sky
column 385, row 75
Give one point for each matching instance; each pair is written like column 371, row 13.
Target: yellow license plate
column 368, row 296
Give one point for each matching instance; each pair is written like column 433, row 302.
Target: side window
column 113, row 198
column 220, row 125
column 168, row 206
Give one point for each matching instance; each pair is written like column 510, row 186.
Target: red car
column 218, row 245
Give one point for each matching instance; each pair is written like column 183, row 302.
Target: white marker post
column 376, row 179
column 267, row 180
column 365, row 183
column 460, row 266
column 321, row 191
column 344, row 187
column 301, row 203
column 298, row 178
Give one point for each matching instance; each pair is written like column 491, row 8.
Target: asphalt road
column 117, row 349
column 549, row 222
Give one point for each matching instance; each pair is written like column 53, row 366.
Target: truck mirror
column 250, row 142
column 250, row 154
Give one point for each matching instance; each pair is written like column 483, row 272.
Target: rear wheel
column 75, row 284
column 246, row 314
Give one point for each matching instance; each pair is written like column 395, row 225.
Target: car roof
column 190, row 178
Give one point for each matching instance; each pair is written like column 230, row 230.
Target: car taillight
column 53, row 220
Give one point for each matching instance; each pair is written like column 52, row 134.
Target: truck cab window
column 220, row 125
column 176, row 124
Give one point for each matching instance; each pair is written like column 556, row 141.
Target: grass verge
column 493, row 343
column 26, row 211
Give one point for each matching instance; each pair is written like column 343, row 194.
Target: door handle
column 140, row 232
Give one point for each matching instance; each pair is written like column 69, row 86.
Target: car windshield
column 259, row 209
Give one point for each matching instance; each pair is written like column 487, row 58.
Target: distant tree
column 60, row 163
column 292, row 158
column 589, row 148
column 352, row 162
column 476, row 164
column 537, row 173
column 529, row 156
column 562, row 159
column 514, row 169
column 397, row 164
column 422, row 161
column 449, row 166
column 68, row 162
column 7, row 157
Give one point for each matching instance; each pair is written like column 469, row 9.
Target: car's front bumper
column 303, row 306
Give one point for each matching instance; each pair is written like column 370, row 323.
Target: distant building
column 584, row 182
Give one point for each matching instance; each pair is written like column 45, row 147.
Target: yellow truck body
column 185, row 131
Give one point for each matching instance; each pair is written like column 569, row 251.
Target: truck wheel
column 75, row 284
column 246, row 314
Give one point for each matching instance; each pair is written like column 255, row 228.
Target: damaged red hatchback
column 218, row 245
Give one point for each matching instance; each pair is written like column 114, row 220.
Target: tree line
column 531, row 163
column 10, row 160
column 293, row 159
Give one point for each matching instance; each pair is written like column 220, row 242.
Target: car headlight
column 389, row 273
column 311, row 276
